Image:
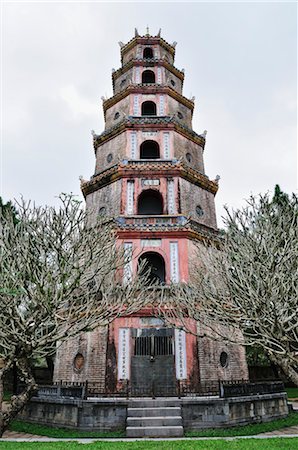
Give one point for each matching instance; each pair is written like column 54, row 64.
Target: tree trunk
column 18, row 402
column 5, row 368
column 285, row 365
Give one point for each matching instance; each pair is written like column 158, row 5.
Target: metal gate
column 153, row 363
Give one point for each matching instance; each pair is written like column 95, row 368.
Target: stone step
column 159, row 402
column 167, row 431
column 154, row 412
column 154, row 421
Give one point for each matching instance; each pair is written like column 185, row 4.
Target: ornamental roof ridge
column 140, row 167
column 180, row 73
column 136, row 39
column 146, row 86
column 127, row 223
column 147, row 120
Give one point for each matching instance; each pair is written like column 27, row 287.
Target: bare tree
column 249, row 282
column 60, row 276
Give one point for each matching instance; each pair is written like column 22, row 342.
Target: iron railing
column 212, row 388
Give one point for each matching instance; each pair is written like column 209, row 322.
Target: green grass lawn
column 292, row 392
column 244, row 444
column 42, row 430
column 247, row 430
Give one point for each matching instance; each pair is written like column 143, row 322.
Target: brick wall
column 108, row 197
column 115, row 147
column 209, row 351
column 93, row 347
column 191, row 196
column 182, row 146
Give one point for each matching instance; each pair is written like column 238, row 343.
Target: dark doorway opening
column 148, row 76
column 155, row 265
column 148, row 109
column 150, row 203
column 149, row 150
column 148, row 53
column 152, row 363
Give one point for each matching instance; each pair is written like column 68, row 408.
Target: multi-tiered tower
column 150, row 176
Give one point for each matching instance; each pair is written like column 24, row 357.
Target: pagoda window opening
column 149, row 150
column 148, row 109
column 154, row 266
column 148, row 76
column 150, row 203
column 148, row 53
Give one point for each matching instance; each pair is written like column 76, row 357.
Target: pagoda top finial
column 147, row 31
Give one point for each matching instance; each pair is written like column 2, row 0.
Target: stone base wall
column 197, row 413
column 228, row 412
column 99, row 415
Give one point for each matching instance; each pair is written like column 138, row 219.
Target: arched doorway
column 155, row 265
column 150, row 203
column 148, row 109
column 148, row 53
column 148, row 76
column 149, row 150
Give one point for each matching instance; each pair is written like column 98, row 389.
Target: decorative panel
column 133, row 145
column 137, row 75
column 180, row 351
column 147, row 182
column 161, row 105
column 151, row 242
column 129, row 197
column 149, row 134
column 174, row 260
column 124, row 354
column 136, row 105
column 139, row 52
column 127, row 270
column 159, row 75
column 171, row 197
column 166, row 145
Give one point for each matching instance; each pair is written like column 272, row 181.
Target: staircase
column 154, row 418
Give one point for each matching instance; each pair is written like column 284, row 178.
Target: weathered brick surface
column 192, row 196
column 123, row 107
column 175, row 107
column 116, row 147
column 209, row 351
column 102, row 198
column 182, row 146
column 93, row 347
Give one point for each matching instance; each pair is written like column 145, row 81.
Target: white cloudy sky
column 240, row 63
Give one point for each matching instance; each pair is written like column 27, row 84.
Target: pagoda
column 150, row 177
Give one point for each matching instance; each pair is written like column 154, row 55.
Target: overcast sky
column 240, row 64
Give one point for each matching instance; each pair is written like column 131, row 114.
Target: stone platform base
column 97, row 414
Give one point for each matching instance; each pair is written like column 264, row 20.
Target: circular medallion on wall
column 117, row 115
column 78, row 362
column 173, row 83
column 109, row 158
column 188, row 157
column 224, row 359
column 102, row 211
column 199, row 211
